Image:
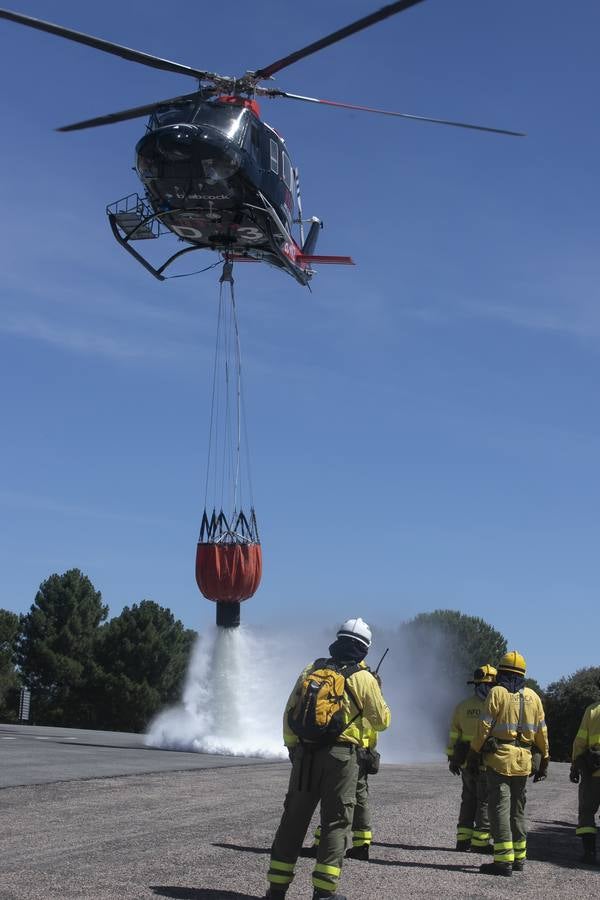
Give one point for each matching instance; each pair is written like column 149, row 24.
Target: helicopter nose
column 176, row 142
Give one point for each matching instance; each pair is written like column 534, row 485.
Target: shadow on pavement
column 245, row 849
column 413, row 847
column 450, row 867
column 90, row 744
column 185, row 893
column 554, row 842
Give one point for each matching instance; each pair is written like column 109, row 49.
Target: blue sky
column 424, row 428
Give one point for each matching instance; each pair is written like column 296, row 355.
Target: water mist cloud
column 239, row 679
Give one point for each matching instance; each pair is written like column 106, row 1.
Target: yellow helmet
column 513, row 662
column 484, row 675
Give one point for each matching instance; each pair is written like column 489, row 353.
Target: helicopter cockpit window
column 274, row 157
column 229, row 119
column 173, row 115
column 286, row 170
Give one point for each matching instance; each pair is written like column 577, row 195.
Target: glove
column 454, row 767
column 541, row 773
column 574, row 775
column 473, row 761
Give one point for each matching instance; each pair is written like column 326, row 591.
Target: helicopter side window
column 274, row 157
column 255, row 142
column 286, row 170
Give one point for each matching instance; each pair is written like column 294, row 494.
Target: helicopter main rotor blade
column 384, row 13
column 386, row 112
column 134, row 113
column 79, row 37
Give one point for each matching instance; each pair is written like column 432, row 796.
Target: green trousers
column 362, row 834
column 327, row 776
column 506, row 805
column 361, row 820
column 589, row 801
column 473, row 822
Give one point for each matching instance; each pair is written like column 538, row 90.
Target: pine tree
column 56, row 649
column 9, row 679
column 142, row 654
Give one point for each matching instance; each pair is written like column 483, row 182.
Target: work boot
column 358, row 853
column 309, row 852
column 464, row 846
column 318, row 894
column 497, row 868
column 487, row 848
column 589, row 849
column 274, row 893
column 518, row 865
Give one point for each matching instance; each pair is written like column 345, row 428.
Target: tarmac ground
column 97, row 815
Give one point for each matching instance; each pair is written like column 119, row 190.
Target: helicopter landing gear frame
column 131, row 219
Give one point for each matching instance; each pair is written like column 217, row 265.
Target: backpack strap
column 347, row 672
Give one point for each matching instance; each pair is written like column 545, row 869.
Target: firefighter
column 325, row 769
column 473, row 829
column 511, row 725
column 362, row 834
column 585, row 771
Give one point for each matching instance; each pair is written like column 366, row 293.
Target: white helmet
column 356, row 629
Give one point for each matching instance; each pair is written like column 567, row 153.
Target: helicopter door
column 288, row 179
column 255, row 143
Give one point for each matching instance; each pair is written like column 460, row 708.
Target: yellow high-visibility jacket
column 500, row 719
column 588, row 736
column 463, row 726
column 375, row 716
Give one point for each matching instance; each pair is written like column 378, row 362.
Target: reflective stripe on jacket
column 500, row 719
column 464, row 722
column 375, row 716
column 588, row 736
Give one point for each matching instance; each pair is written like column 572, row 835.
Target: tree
column 56, row 648
column 433, row 657
column 142, row 655
column 565, row 701
column 535, row 686
column 9, row 679
column 459, row 643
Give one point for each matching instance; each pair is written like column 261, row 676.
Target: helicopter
column 213, row 172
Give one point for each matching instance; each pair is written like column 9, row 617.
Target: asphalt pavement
column 37, row 755
column 193, row 829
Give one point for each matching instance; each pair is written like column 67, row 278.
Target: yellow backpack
column 317, row 716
